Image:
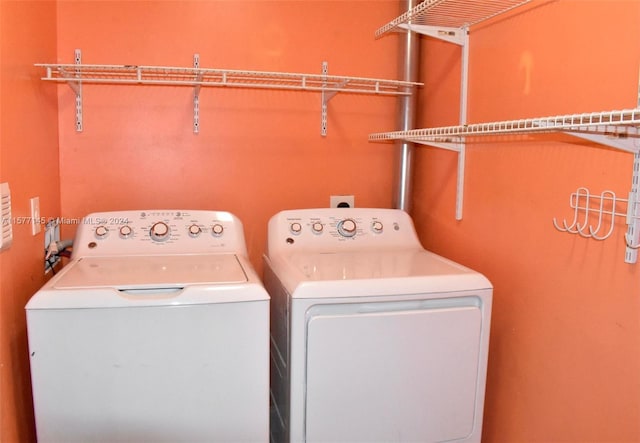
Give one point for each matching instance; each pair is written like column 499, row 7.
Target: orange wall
column 258, row 151
column 564, row 364
column 29, row 162
column 563, row 360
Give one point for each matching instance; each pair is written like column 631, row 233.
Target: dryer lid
column 152, row 272
column 374, row 265
column 368, row 273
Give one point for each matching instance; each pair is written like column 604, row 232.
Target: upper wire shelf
column 450, row 13
column 181, row 76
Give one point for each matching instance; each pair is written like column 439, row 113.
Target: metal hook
column 629, row 243
column 576, row 207
column 604, row 196
column 587, row 202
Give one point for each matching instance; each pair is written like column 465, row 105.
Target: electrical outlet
column 35, row 215
column 342, row 201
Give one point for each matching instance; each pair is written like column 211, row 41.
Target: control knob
column 126, row 231
column 295, row 228
column 159, row 231
column 194, row 230
column 347, row 227
column 377, row 227
column 317, row 227
column 101, row 231
column 217, row 230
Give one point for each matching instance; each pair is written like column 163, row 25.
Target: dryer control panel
column 158, row 232
column 340, row 229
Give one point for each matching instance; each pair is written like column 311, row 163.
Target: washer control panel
column 328, row 229
column 158, row 231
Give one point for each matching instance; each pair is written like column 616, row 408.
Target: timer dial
column 347, row 227
column 159, row 231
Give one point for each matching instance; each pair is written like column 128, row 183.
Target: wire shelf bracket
column 325, row 97
column 77, row 74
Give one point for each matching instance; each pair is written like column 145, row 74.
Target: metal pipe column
column 409, row 50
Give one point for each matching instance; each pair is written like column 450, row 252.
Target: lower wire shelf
column 618, row 129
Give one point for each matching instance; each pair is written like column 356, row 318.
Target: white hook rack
column 594, row 216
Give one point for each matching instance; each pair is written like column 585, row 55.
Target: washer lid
column 152, row 272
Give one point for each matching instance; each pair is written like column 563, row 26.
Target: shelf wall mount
column 77, row 88
column 196, row 95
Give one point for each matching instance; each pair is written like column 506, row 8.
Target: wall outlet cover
column 7, row 222
column 35, row 215
column 342, row 201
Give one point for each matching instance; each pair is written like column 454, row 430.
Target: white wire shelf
column 181, row 76
column 449, row 14
column 617, row 129
column 77, row 74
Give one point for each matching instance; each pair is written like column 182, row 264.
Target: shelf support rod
column 196, row 95
column 459, row 36
column 632, row 237
column 464, row 92
column 460, row 182
column 77, row 88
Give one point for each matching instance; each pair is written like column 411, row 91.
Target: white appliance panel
column 156, row 331
column 374, row 339
column 151, row 374
column 407, row 375
column 152, row 232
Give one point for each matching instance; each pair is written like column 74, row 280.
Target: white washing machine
column 373, row 338
column 156, row 331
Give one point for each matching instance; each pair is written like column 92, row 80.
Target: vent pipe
column 409, row 61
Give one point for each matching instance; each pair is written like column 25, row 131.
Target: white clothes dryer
column 373, row 338
column 156, row 331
